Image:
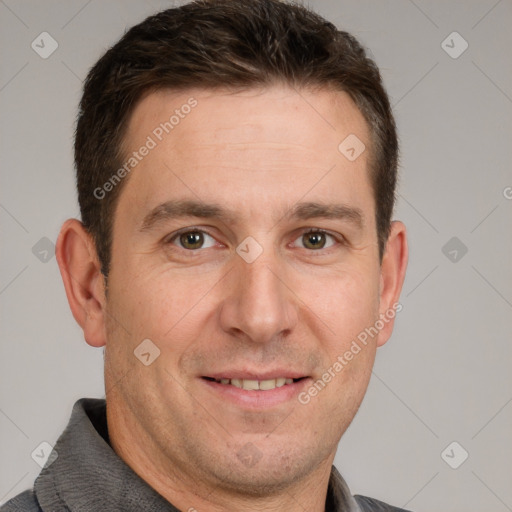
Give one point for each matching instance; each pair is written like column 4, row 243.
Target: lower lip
column 257, row 399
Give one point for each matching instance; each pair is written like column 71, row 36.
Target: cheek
column 164, row 307
column 347, row 302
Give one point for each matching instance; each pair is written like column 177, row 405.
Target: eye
column 192, row 240
column 316, row 239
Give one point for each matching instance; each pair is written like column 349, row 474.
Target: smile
column 255, row 385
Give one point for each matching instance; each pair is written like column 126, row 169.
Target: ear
column 84, row 283
column 392, row 275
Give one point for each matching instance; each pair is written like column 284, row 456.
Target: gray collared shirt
column 84, row 474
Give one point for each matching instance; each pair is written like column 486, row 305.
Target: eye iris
column 314, row 240
column 192, row 240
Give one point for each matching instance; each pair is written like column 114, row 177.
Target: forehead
column 233, row 147
column 252, row 116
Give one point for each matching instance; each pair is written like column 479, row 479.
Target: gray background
column 444, row 376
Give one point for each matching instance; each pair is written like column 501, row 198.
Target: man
column 236, row 166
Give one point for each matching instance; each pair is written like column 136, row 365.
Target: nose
column 259, row 306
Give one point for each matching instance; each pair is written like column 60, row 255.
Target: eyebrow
column 312, row 210
column 176, row 209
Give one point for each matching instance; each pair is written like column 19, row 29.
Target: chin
column 264, row 473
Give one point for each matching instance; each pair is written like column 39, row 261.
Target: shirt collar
column 85, row 474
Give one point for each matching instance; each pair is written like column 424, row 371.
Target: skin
column 296, row 307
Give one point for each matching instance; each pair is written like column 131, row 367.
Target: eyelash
column 176, row 235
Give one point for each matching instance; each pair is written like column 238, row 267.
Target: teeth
column 267, row 384
column 252, row 385
column 281, row 381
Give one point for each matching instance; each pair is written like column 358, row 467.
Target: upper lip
column 256, row 375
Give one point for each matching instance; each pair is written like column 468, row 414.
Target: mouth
column 256, row 394
column 254, row 384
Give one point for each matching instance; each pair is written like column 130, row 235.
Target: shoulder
column 370, row 505
column 24, row 502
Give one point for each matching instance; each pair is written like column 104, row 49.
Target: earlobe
column 83, row 280
column 393, row 267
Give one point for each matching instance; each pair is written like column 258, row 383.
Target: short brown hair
column 215, row 44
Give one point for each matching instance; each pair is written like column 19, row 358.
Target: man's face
column 217, row 309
